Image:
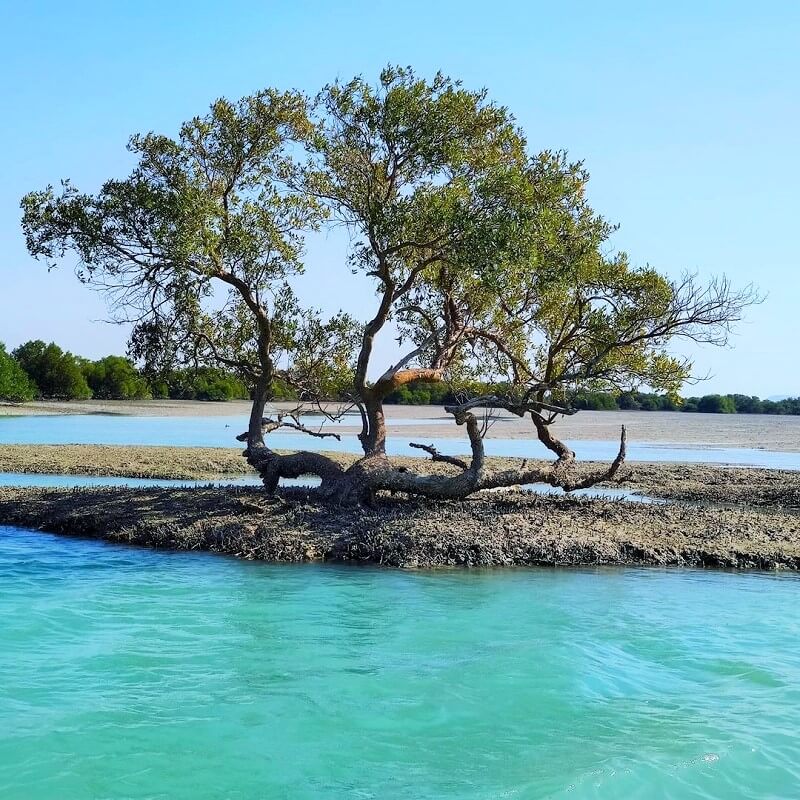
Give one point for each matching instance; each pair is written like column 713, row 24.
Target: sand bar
column 766, row 432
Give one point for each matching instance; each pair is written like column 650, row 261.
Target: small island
column 420, row 432
column 677, row 515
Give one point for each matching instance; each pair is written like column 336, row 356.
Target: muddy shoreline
column 727, row 517
column 123, row 461
column 502, row 529
column 695, row 483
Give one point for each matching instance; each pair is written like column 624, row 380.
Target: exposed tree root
column 375, row 472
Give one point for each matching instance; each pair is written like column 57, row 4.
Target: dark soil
column 500, row 529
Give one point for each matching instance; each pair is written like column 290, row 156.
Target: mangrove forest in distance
column 36, row 370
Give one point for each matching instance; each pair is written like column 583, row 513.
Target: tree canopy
column 15, row 386
column 114, row 378
column 55, row 373
column 487, row 261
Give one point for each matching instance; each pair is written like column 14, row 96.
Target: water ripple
column 137, row 674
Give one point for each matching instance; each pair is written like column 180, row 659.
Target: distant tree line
column 438, row 394
column 45, row 371
column 15, row 385
column 707, row 404
column 36, row 370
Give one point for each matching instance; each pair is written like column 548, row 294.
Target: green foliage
column 741, row 404
column 202, row 383
column 716, row 404
column 159, row 388
column 488, row 259
column 114, row 378
column 212, row 384
column 417, row 169
column 15, row 386
column 628, row 402
column 745, row 404
column 422, row 393
column 64, row 376
column 207, row 208
column 642, row 401
column 597, row 401
column 790, row 405
column 55, row 373
column 281, row 390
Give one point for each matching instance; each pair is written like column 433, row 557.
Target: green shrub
column 115, row 378
column 716, row 404
column 15, row 385
column 203, row 383
column 56, row 374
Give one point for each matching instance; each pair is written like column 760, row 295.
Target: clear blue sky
column 686, row 113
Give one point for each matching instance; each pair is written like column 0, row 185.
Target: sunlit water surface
column 218, row 431
column 130, row 673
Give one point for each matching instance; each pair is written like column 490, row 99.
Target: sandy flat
column 767, row 432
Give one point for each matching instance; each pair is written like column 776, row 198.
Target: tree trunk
column 272, row 466
column 374, row 439
column 374, row 472
column 255, row 434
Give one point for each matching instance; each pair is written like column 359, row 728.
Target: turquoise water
column 221, row 432
column 130, row 673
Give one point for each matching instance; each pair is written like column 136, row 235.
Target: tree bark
column 374, row 438
column 374, row 471
column 272, row 466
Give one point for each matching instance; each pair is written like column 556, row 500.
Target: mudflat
column 714, row 515
column 767, row 432
column 503, row 529
column 136, row 461
column 682, row 482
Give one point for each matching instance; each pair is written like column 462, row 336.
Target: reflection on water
column 134, row 673
column 221, row 432
column 603, row 493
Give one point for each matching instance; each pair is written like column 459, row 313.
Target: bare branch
column 268, row 424
column 437, row 456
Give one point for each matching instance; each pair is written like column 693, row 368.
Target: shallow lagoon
column 216, row 431
column 126, row 672
column 219, row 431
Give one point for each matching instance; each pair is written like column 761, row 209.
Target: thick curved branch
column 602, row 476
column 273, row 466
column 386, row 385
column 409, row 357
column 518, row 407
column 559, row 474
